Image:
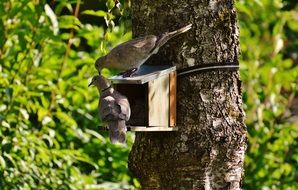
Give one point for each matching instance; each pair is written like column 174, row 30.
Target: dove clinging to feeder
column 130, row 55
column 114, row 108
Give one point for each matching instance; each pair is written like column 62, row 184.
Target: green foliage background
column 49, row 135
column 48, row 117
column 269, row 70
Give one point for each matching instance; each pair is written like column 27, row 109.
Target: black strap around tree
column 232, row 66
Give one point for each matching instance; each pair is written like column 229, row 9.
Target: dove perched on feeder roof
column 114, row 109
column 130, row 55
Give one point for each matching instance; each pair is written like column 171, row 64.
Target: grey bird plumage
column 114, row 109
column 130, row 55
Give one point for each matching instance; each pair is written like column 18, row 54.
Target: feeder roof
column 145, row 74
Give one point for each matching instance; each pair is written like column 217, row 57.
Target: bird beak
column 90, row 83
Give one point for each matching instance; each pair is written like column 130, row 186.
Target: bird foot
column 129, row 73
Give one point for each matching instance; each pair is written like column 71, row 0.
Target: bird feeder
column 152, row 96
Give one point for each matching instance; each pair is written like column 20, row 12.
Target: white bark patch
column 213, row 5
column 191, row 62
column 209, row 178
column 207, row 185
column 233, row 176
column 184, row 46
column 224, row 46
column 148, row 12
column 216, row 122
column 218, row 92
column 184, row 137
column 193, row 50
column 205, row 97
column 182, row 147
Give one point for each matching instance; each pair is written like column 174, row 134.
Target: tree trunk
column 208, row 150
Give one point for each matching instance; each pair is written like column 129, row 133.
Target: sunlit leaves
column 269, row 71
column 98, row 13
column 48, row 116
column 69, row 22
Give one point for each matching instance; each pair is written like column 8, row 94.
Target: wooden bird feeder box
column 152, row 96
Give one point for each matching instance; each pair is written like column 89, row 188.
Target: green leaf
column 98, row 13
column 2, row 163
column 63, row 117
column 69, row 22
column 110, row 4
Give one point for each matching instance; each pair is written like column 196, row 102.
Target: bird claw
column 129, row 73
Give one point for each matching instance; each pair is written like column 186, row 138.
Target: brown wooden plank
column 158, row 101
column 173, row 97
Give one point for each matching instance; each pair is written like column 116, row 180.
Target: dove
column 130, row 55
column 114, row 109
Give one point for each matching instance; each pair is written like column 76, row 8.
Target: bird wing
column 123, row 102
column 142, row 43
column 134, row 52
column 108, row 109
column 114, row 107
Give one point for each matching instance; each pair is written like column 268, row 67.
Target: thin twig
column 76, row 14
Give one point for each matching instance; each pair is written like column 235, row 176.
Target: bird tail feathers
column 181, row 30
column 167, row 36
column 117, row 130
